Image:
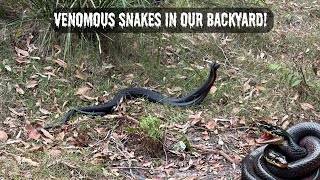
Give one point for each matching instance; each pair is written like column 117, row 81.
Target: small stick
column 220, row 152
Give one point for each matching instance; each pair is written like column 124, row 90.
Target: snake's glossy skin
column 307, row 135
column 193, row 98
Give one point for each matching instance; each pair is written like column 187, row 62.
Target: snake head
column 215, row 66
column 271, row 134
column 275, row 158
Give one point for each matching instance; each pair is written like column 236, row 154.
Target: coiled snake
column 291, row 154
column 193, row 98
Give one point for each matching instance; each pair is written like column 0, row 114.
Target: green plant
column 151, row 126
column 151, row 134
column 292, row 77
column 42, row 10
column 39, row 12
column 289, row 18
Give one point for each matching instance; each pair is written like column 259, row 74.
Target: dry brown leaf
column 61, row 63
column 98, row 155
column 20, row 60
column 16, row 113
column 49, row 74
column 236, row 110
column 111, row 116
column 58, row 49
column 36, row 148
column 195, row 116
column 145, row 82
column 82, row 90
column 21, row 52
column 191, row 177
column 188, row 167
column 213, row 90
column 34, row 134
column 196, row 122
column 114, row 156
column 100, row 130
column 87, row 98
column 30, row 45
column 90, row 85
column 10, row 122
column 211, row 125
column 250, row 141
column 306, row 106
column 257, row 108
column 71, row 140
column 44, row 111
column 31, row 84
column 269, row 120
column 28, row 127
column 260, row 88
column 54, row 152
column 30, row 161
column 176, row 89
column 130, row 75
column 109, row 66
column 46, row 134
column 39, row 102
column 147, row 164
column 48, row 68
column 80, row 75
column 169, row 165
column 206, row 136
column 242, row 121
column 285, row 124
column 47, row 140
column 19, row 90
column 246, row 87
column 35, row 58
column 70, row 165
column 60, row 135
column 3, row 136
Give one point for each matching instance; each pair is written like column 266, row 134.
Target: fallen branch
column 214, row 151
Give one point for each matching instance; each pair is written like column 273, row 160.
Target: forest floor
column 273, row 77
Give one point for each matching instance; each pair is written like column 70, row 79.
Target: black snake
column 193, row 98
column 301, row 146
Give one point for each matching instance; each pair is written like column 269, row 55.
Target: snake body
column 303, row 151
column 193, row 98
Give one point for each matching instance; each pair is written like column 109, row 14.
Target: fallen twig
column 214, row 151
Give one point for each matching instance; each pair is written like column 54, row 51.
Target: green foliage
column 131, row 129
column 274, row 67
column 151, row 126
column 289, row 18
column 292, row 77
column 42, row 10
column 256, row 3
